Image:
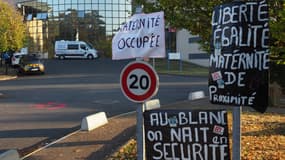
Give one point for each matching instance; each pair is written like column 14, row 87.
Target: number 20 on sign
column 139, row 81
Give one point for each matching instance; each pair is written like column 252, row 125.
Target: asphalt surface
column 28, row 114
column 103, row 142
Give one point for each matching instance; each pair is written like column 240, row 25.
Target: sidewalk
column 7, row 77
column 95, row 145
column 101, row 143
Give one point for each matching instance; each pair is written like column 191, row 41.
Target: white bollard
column 10, row 155
column 93, row 121
column 152, row 104
column 196, row 95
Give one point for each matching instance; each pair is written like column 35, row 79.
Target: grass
column 174, row 67
column 263, row 138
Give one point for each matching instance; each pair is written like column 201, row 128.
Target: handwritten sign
column 195, row 135
column 239, row 60
column 141, row 36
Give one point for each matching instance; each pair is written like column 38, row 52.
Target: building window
column 29, row 17
column 80, row 14
column 88, row 20
column 42, row 16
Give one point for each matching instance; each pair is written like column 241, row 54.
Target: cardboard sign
column 239, row 59
column 182, row 134
column 143, row 35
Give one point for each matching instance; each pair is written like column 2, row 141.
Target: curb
column 88, row 123
column 7, row 78
column 93, row 121
column 10, row 155
column 196, row 95
column 72, row 133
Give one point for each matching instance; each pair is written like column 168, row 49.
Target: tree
column 90, row 27
column 12, row 28
column 277, row 26
column 93, row 28
column 196, row 15
column 193, row 15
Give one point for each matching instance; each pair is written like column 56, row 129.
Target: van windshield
column 89, row 45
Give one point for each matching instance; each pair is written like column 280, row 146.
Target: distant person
column 6, row 58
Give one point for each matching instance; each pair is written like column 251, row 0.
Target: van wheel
column 61, row 57
column 89, row 56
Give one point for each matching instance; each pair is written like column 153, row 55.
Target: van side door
column 83, row 49
column 72, row 50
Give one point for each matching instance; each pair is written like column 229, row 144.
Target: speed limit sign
column 139, row 81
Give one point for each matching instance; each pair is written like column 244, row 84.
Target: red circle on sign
column 151, row 91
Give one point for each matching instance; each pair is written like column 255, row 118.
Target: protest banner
column 239, row 60
column 186, row 134
column 143, row 35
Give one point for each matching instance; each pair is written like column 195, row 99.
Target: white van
column 74, row 49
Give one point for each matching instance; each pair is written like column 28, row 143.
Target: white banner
column 143, row 35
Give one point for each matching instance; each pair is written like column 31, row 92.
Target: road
column 39, row 107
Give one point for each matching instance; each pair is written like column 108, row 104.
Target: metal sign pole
column 236, row 133
column 140, row 133
column 153, row 62
column 180, row 65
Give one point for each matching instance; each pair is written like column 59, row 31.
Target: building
column 93, row 21
column 189, row 47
